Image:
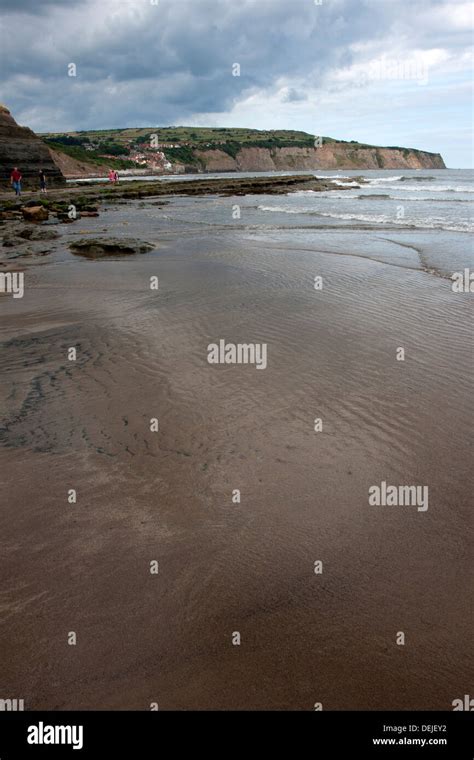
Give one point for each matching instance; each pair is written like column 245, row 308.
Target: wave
column 282, row 210
column 380, row 180
column 428, row 178
column 374, row 196
column 429, row 189
column 430, row 223
column 442, row 189
column 407, row 199
column 329, row 194
column 346, row 184
column 332, row 176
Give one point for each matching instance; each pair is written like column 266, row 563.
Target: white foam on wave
column 345, row 184
column 332, row 176
column 380, row 180
column 283, row 210
column 408, row 199
column 439, row 189
column 430, row 223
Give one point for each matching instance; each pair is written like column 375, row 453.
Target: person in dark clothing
column 15, row 180
column 42, row 179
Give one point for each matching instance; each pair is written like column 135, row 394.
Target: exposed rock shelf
column 81, row 196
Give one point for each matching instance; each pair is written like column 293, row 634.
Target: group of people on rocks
column 16, row 178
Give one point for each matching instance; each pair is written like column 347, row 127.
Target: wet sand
column 167, row 496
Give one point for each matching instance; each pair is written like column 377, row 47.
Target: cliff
column 333, row 155
column 20, row 147
column 206, row 149
column 72, row 168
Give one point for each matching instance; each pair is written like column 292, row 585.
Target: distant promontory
column 200, row 149
column 179, row 150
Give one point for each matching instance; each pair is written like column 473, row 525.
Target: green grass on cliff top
column 228, row 139
column 195, row 135
column 199, row 137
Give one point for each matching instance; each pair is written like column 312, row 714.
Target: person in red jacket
column 15, row 180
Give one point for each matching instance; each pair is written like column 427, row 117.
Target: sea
column 433, row 208
column 409, row 218
column 423, row 199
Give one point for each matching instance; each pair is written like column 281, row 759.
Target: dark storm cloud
column 139, row 63
column 185, row 50
column 33, row 6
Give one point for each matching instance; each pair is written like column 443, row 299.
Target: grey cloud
column 294, row 96
column 143, row 64
column 34, row 6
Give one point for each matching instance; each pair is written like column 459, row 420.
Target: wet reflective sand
column 167, row 496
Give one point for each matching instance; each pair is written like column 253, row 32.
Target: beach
column 241, row 269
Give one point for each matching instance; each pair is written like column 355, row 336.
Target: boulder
column 35, row 213
column 95, row 248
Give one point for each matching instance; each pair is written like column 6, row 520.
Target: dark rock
column 100, row 247
column 20, row 147
column 38, row 233
column 12, row 241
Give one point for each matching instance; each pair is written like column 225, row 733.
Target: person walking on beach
column 15, row 180
column 42, row 179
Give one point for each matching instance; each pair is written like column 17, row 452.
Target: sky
column 385, row 72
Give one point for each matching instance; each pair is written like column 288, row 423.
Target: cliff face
column 20, row 147
column 332, row 155
column 72, row 168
